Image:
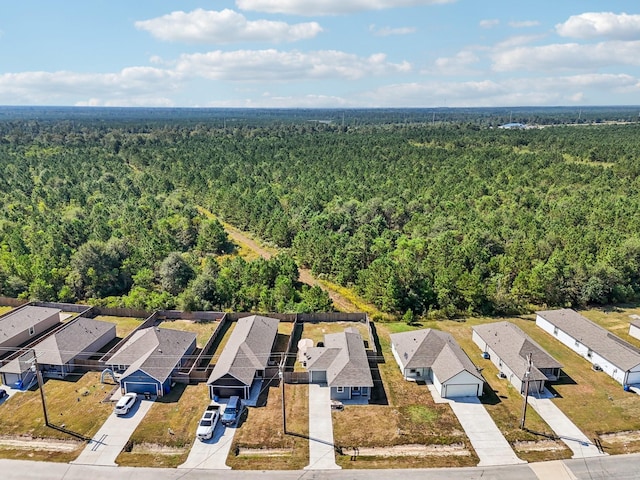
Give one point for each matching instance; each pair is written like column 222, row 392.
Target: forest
column 427, row 217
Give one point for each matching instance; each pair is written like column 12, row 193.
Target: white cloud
column 268, row 100
column 601, row 24
column 388, row 31
column 129, row 87
column 329, row 7
column 490, row 23
column 275, row 65
column 226, row 26
column 509, row 92
column 517, row 41
column 524, row 24
column 457, row 65
column 567, row 56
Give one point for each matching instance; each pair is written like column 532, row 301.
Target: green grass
column 203, row 330
column 4, row 309
column 124, row 325
column 317, row 331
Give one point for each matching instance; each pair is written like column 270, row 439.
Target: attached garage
column 226, row 392
column 468, row 390
column 143, row 383
column 141, row 388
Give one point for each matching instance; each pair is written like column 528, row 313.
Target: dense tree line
column 415, row 217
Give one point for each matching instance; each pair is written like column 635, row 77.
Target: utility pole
column 281, row 375
column 41, row 388
column 526, row 391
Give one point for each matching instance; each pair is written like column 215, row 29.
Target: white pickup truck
column 208, row 422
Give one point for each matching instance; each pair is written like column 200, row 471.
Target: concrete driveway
column 212, row 453
column 107, row 444
column 321, row 447
column 563, row 427
column 487, row 440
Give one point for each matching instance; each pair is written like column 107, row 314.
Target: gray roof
column 156, row 351
column 429, row 348
column 67, row 343
column 247, row 350
column 620, row 353
column 512, row 345
column 22, row 319
column 344, row 358
column 20, row 364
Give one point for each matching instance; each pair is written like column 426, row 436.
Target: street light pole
column 41, row 388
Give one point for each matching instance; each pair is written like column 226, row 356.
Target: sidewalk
column 321, row 447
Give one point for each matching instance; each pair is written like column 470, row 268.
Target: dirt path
column 341, row 303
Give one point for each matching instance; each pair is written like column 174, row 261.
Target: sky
column 320, row 53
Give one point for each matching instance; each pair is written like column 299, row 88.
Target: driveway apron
column 212, row 453
column 107, row 444
column 564, row 428
column 487, row 440
column 321, row 447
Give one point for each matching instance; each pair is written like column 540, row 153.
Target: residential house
column 24, row 324
column 614, row 356
column 634, row 328
column 245, row 357
column 57, row 353
column 342, row 364
column 509, row 349
column 434, row 356
column 149, row 358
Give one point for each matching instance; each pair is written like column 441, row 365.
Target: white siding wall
column 464, row 384
column 419, row 373
column 496, row 360
column 634, row 331
column 582, row 350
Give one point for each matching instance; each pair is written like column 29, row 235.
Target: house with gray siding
column 616, row 357
column 148, row 359
column 245, row 357
column 56, row 354
column 342, row 364
column 434, row 356
column 24, row 324
column 509, row 349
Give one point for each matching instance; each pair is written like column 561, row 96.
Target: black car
column 3, row 393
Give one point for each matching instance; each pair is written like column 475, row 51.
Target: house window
column 555, row 331
column 32, row 330
column 500, row 362
column 412, row 370
column 577, row 343
column 340, row 389
column 589, row 353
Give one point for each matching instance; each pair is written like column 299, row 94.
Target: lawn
column 263, row 430
column 203, row 330
column 166, row 433
column 124, row 325
column 4, row 309
column 316, row 331
column 75, row 404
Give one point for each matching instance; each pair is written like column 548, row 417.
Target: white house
column 634, row 328
column 509, row 349
column 617, row 358
column 435, row 356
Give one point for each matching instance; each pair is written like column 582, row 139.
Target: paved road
column 321, row 448
column 562, row 426
column 619, row 467
column 107, row 444
column 487, row 440
column 212, row 453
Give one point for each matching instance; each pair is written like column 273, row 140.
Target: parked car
column 233, row 411
column 125, row 403
column 3, row 393
column 208, row 422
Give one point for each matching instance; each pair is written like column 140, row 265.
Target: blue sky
column 319, row 53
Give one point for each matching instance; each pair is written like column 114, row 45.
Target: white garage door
column 461, row 391
column 634, row 377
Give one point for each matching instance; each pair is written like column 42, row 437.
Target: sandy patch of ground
column 541, row 446
column 156, row 449
column 49, row 444
column 621, row 437
column 265, row 452
column 413, row 450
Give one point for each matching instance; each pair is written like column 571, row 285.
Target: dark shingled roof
column 155, row 351
column 21, row 320
column 512, row 345
column 247, row 350
column 344, row 358
column 429, row 348
column 620, row 353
